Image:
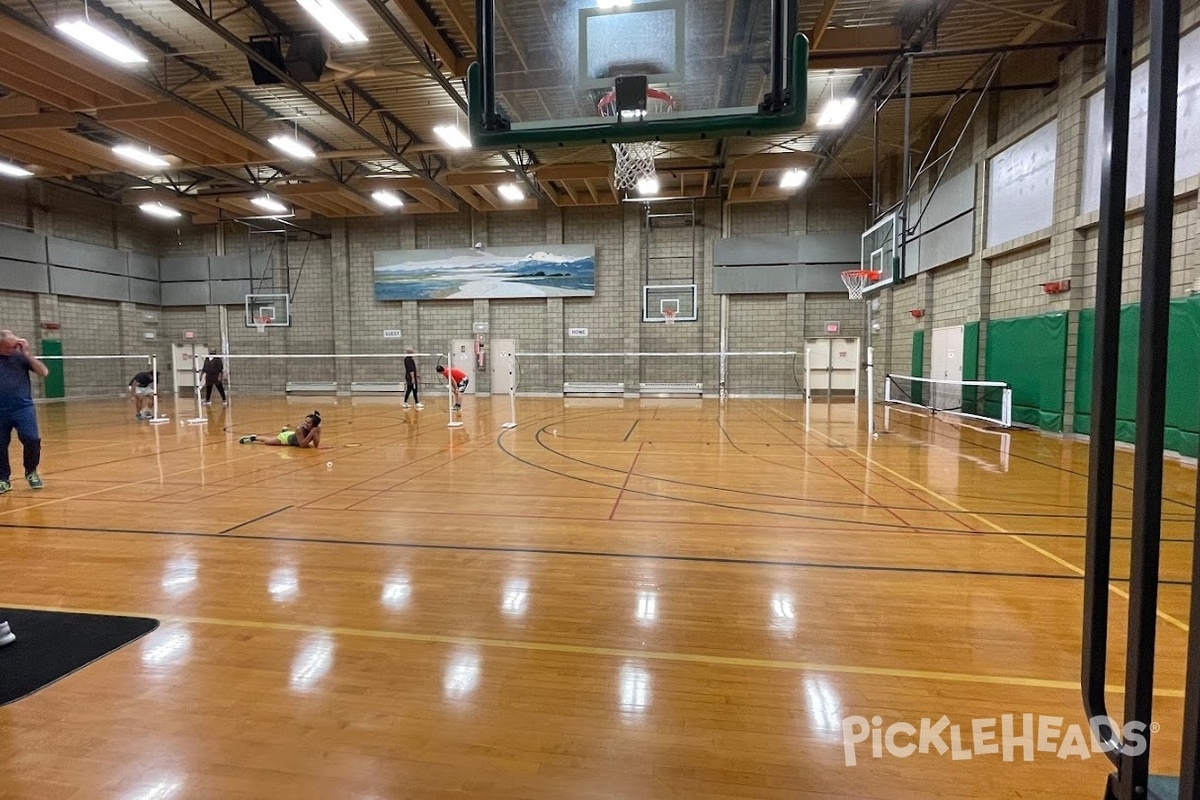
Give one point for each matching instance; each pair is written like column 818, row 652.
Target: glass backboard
column 879, row 252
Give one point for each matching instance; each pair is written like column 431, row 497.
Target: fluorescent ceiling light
column 334, row 20
column 836, row 112
column 159, row 210
column 614, row 3
column 452, row 136
column 293, row 147
column 140, row 156
column 98, row 40
column 267, row 203
column 511, row 192
column 13, row 171
column 387, row 199
column 648, row 185
column 793, row 179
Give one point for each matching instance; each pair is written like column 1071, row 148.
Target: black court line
column 631, row 427
column 256, row 519
column 754, row 562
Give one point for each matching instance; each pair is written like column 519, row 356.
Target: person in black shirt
column 214, row 375
column 141, row 392
column 411, row 380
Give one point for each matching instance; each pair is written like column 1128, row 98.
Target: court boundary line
column 611, row 652
column 498, row 549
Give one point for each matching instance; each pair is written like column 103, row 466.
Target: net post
column 512, row 393
column 453, row 423
column 156, row 419
column 887, row 388
column 199, row 419
column 1006, row 408
column 871, row 390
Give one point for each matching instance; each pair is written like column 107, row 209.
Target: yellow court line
column 984, row 521
column 614, row 652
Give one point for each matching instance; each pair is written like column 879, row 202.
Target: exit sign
column 833, row 327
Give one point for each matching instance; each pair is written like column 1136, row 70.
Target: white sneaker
column 208, row 402
column 420, row 406
column 406, row 406
column 224, row 404
column 6, row 634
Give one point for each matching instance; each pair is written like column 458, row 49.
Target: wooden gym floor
column 656, row 599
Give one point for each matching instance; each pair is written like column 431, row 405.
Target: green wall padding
column 1030, row 354
column 918, row 364
column 1183, row 375
column 54, row 384
column 970, row 365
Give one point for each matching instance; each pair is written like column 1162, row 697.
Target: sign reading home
column 486, row 272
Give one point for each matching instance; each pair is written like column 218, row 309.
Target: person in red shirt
column 458, row 382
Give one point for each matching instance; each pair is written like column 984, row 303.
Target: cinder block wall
column 1006, row 280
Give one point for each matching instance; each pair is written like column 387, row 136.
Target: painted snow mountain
column 498, row 272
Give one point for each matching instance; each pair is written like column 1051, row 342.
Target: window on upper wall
column 1021, row 186
column 1187, row 149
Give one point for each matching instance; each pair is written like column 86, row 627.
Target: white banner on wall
column 577, row 333
column 1187, row 152
column 392, row 334
column 1021, row 186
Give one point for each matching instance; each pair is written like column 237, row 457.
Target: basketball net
column 857, row 280
column 669, row 315
column 633, row 162
column 260, row 323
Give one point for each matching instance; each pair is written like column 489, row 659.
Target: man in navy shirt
column 16, row 407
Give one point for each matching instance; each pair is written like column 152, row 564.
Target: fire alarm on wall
column 1057, row 287
column 917, row 313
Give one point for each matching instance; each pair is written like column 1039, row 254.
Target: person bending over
column 16, row 407
column 458, row 383
column 141, row 392
column 307, row 434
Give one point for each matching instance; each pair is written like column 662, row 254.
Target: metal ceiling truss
column 202, row 16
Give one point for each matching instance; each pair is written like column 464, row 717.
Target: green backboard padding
column 970, row 366
column 1183, row 375
column 54, row 384
column 1030, row 354
column 918, row 364
column 601, row 130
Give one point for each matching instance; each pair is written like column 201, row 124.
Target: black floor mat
column 51, row 645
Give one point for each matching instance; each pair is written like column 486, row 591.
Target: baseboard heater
column 672, row 389
column 593, row 388
column 311, row 387
column 376, row 388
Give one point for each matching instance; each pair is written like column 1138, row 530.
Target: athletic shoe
column 406, row 406
column 208, row 402
column 6, row 634
column 35, row 480
column 224, row 404
column 247, row 439
column 420, row 406
column 457, row 407
column 5, row 487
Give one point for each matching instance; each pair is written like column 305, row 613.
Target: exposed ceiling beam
column 818, row 28
column 198, row 14
column 438, row 43
column 44, row 120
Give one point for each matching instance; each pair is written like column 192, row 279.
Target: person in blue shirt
column 16, row 407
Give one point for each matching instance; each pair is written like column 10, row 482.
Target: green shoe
column 5, row 486
column 35, row 481
column 247, row 439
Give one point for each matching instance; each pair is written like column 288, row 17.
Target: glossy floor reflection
column 616, row 599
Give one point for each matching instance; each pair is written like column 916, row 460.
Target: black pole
column 875, row 163
column 485, row 28
column 1134, row 770
column 1109, row 261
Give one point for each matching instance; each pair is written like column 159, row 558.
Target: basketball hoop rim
column 869, row 274
column 261, row 323
column 610, row 99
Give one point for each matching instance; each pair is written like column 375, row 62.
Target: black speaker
column 306, row 57
column 268, row 48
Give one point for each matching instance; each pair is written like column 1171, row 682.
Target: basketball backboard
column 269, row 310
column 879, row 252
column 658, row 300
column 545, row 70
